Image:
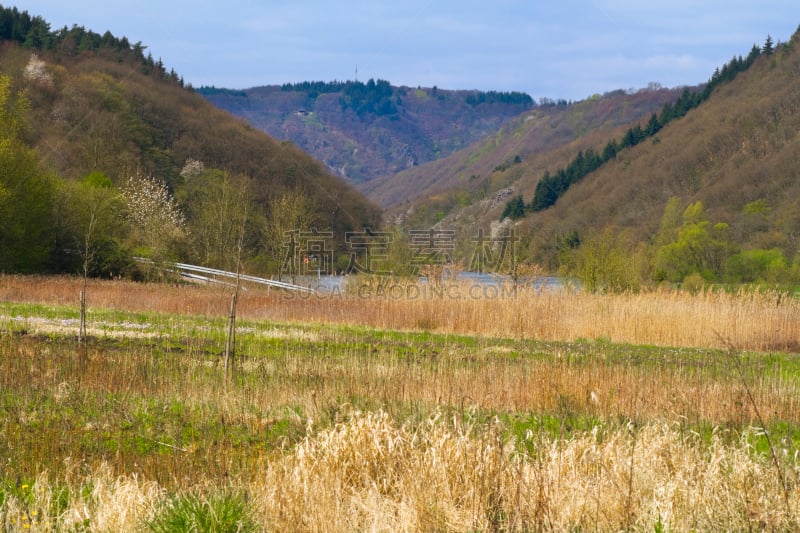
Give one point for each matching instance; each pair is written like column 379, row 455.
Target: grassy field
column 397, row 410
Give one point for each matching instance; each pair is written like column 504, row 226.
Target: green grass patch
column 215, row 513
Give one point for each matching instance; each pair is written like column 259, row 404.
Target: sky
column 567, row 49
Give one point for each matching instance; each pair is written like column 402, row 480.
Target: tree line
column 552, row 186
column 315, row 88
column 34, row 32
column 499, row 97
column 689, row 248
column 210, row 90
column 373, row 96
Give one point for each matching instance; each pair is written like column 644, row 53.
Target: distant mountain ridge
column 362, row 131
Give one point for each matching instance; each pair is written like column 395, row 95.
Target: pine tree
column 514, row 209
column 753, row 55
column 767, row 49
column 653, row 126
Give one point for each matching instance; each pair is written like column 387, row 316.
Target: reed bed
column 746, row 320
column 370, row 473
column 371, row 412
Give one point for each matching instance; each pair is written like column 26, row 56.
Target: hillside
column 713, row 194
column 362, row 131
column 518, row 147
column 91, row 104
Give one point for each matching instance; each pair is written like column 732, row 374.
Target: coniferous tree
column 753, row 55
column 653, row 126
column 610, row 151
column 515, row 208
column 768, row 46
column 38, row 35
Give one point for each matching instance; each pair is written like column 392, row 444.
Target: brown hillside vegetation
column 736, row 151
column 534, row 138
column 100, row 111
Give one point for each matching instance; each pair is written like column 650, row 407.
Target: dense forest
column 105, row 156
column 505, row 97
column 381, row 88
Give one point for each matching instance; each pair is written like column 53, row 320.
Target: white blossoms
column 192, row 168
column 36, row 71
column 152, row 209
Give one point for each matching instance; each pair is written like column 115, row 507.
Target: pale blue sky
column 564, row 49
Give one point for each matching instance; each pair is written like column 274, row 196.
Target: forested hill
column 704, row 191
column 363, row 130
column 81, row 109
column 695, row 185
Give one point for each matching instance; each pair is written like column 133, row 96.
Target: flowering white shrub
column 36, row 71
column 192, row 168
column 500, row 229
column 153, row 211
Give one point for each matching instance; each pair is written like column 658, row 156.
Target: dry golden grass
column 100, row 502
column 111, row 422
column 371, row 474
column 764, row 321
column 577, row 379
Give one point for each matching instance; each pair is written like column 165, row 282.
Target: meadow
column 397, row 409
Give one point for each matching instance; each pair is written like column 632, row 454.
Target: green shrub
column 758, row 265
column 218, row 513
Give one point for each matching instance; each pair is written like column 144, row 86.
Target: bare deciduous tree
column 217, row 204
column 97, row 202
column 290, row 212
